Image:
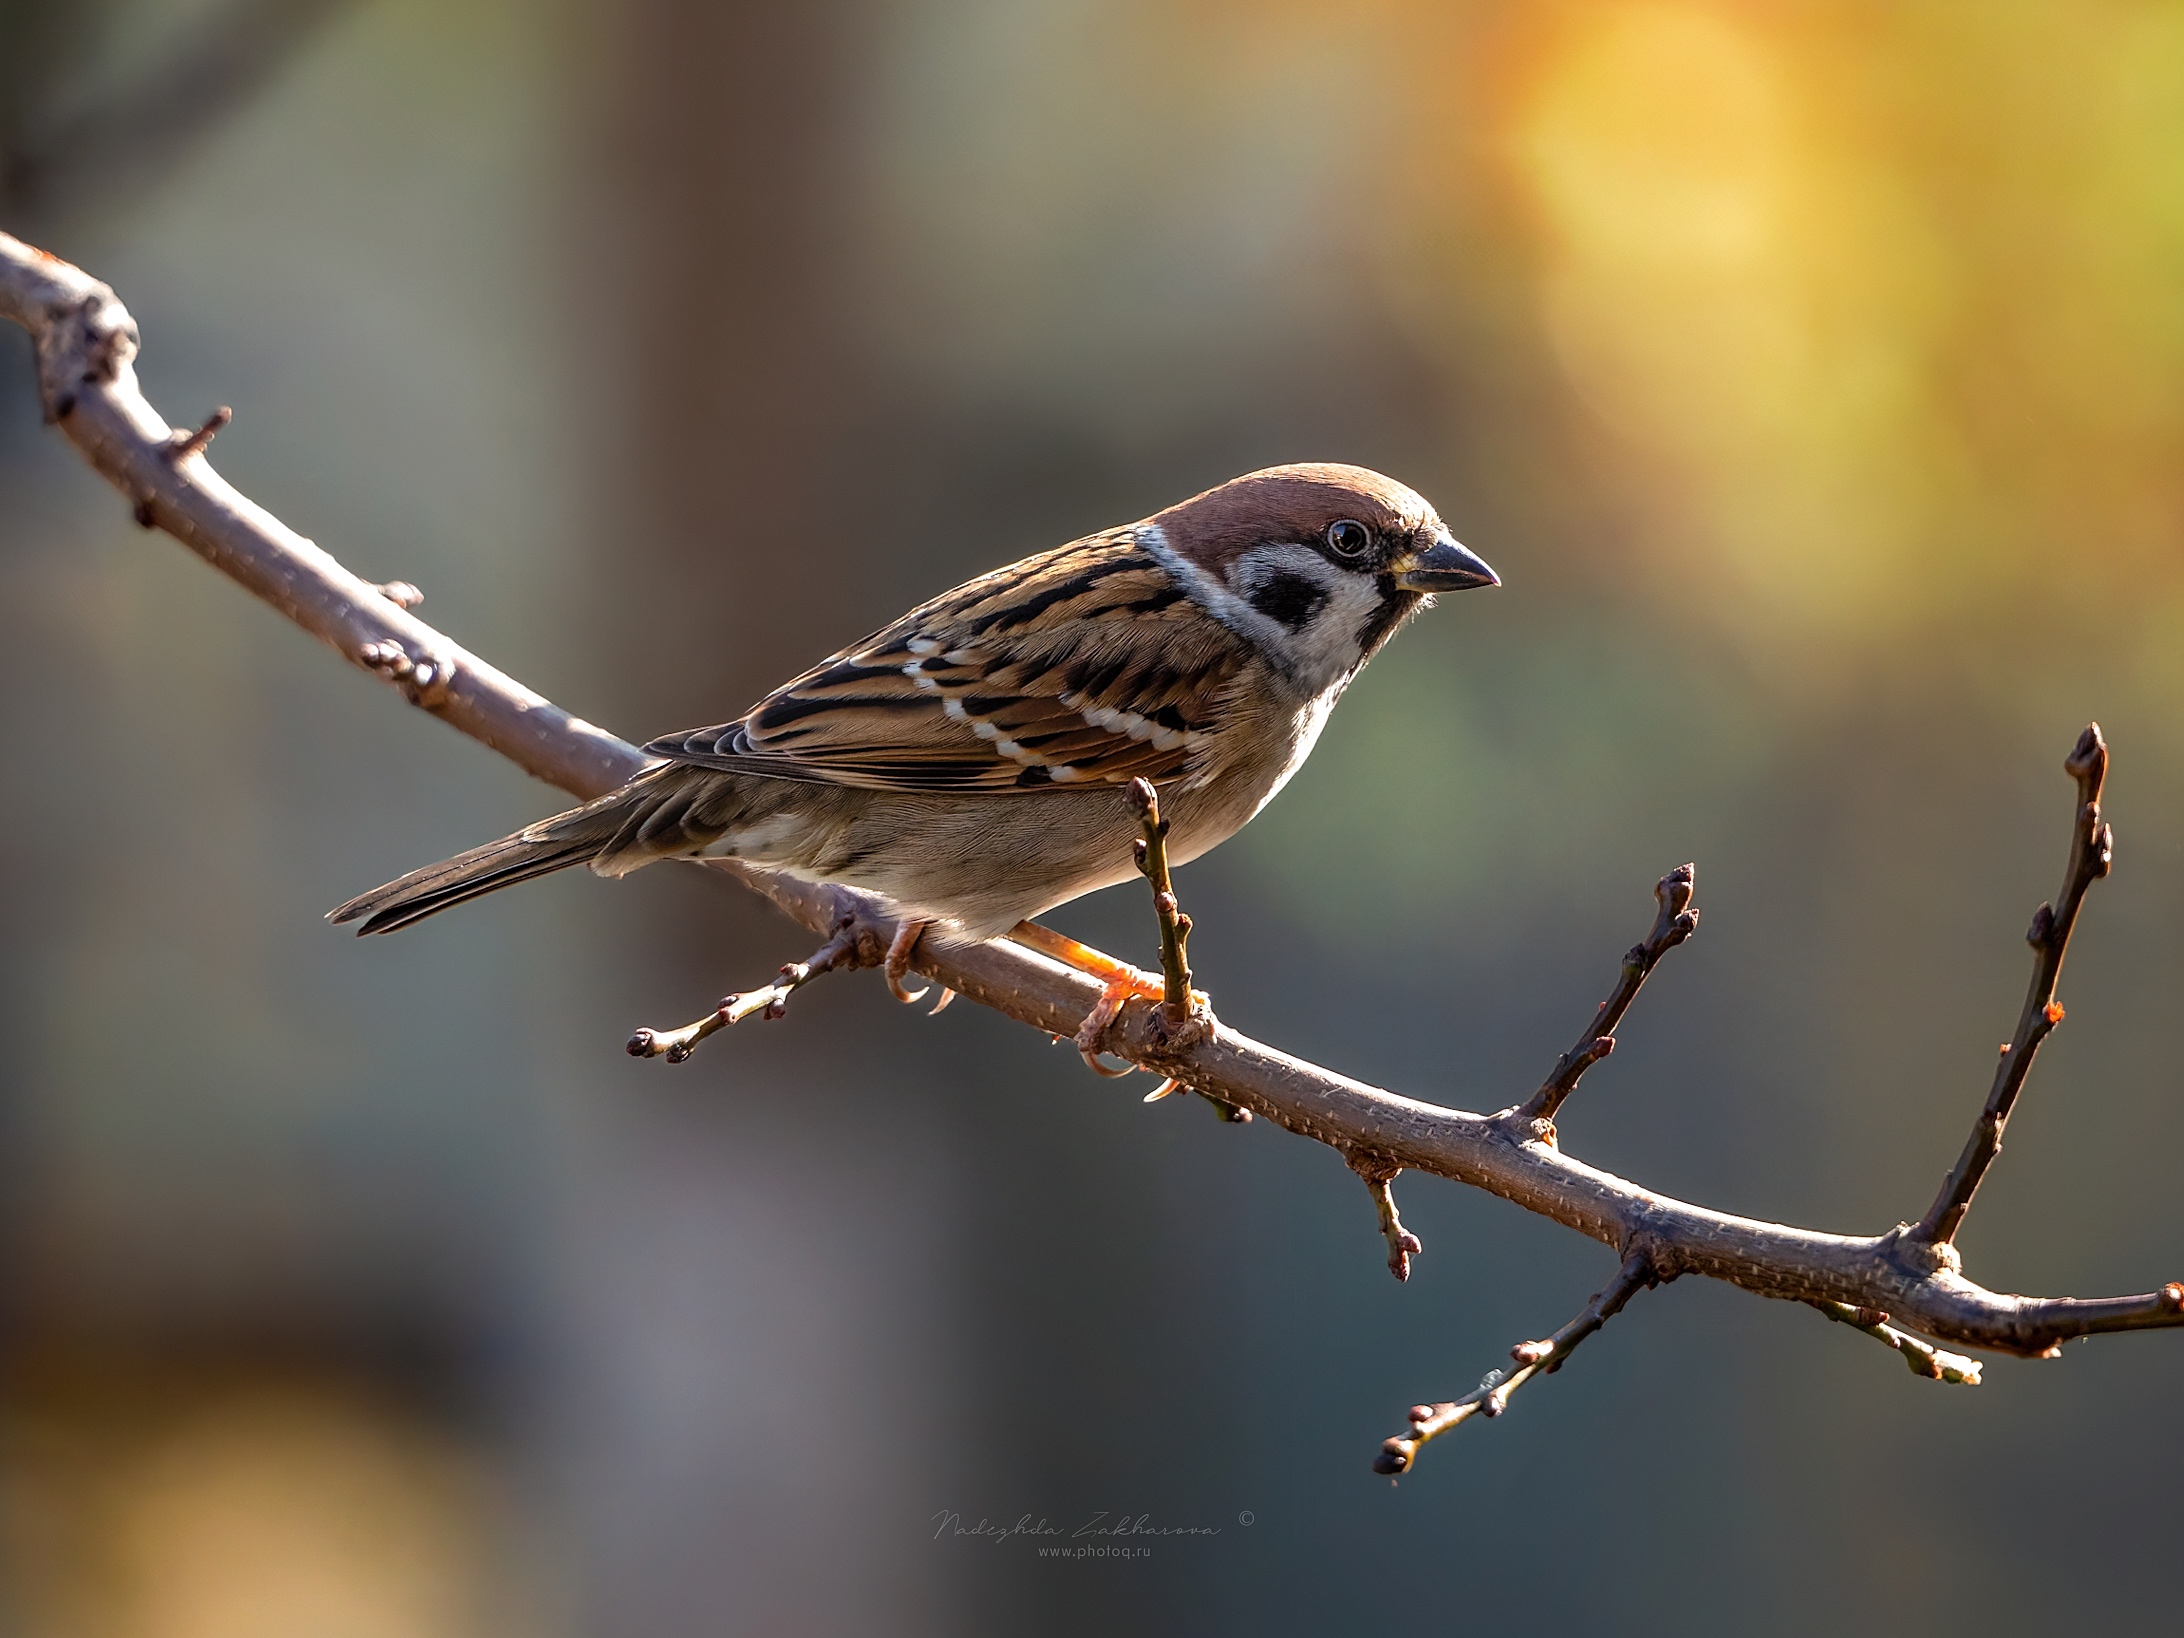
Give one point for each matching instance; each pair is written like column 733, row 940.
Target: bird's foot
column 1182, row 1015
column 1120, row 984
column 897, row 965
column 862, row 937
column 1117, row 990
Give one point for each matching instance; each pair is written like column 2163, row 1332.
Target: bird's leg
column 1083, row 958
column 1120, row 983
column 855, row 942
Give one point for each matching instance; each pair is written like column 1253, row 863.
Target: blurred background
column 1813, row 375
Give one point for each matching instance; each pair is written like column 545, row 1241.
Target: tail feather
column 576, row 837
column 482, row 870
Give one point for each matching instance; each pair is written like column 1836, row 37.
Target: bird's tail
column 576, row 837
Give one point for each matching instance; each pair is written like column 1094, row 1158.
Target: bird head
column 1316, row 565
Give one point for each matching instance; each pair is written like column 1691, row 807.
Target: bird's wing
column 1083, row 665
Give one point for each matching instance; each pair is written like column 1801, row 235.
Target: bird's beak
column 1443, row 566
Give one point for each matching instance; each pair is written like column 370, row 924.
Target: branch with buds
column 859, row 939
column 2092, row 851
column 1675, row 922
column 1491, row 1397
column 1899, row 1287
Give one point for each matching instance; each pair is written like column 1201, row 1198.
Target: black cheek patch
column 1290, row 600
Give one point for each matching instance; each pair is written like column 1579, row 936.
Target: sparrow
column 963, row 764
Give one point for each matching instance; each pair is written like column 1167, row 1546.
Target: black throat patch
column 1396, row 607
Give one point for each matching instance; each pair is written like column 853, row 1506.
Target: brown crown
column 1290, row 503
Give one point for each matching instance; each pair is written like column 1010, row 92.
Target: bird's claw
column 1196, row 1025
column 907, row 934
column 1117, row 992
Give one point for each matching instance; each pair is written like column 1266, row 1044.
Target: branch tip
column 1924, row 1359
column 1674, row 889
column 1379, row 1176
column 2092, row 855
column 1674, row 921
column 857, row 941
column 2088, row 760
column 1491, row 1397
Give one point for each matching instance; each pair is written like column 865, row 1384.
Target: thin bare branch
column 2092, row 852
column 1924, row 1358
column 1491, row 1397
column 87, row 346
column 859, row 940
column 86, row 343
column 1151, row 854
column 1380, row 1179
column 1673, row 922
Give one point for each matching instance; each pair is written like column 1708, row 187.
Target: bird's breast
column 1245, row 773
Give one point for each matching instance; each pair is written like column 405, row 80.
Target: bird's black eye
column 1348, row 538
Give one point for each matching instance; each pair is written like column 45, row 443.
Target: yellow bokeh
column 1882, row 307
column 1743, row 299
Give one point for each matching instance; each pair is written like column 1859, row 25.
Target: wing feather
column 1085, row 664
